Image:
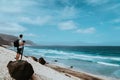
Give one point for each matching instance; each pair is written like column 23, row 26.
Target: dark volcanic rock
column 20, row 70
column 55, row 60
column 71, row 66
column 42, row 61
column 34, row 58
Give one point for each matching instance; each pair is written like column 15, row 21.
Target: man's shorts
column 19, row 50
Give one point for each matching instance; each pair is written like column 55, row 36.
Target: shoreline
column 69, row 72
column 62, row 72
column 78, row 73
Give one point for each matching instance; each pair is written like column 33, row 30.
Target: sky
column 62, row 22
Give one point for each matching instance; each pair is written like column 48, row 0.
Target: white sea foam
column 108, row 64
column 59, row 54
column 94, row 57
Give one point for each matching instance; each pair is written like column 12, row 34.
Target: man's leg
column 22, row 52
column 17, row 56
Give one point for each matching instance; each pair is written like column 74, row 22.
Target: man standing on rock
column 20, row 47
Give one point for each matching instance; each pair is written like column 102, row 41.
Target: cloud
column 11, row 28
column 36, row 21
column 114, row 7
column 9, row 6
column 116, row 20
column 96, row 2
column 117, row 28
column 86, row 31
column 69, row 12
column 67, row 25
column 36, row 12
column 15, row 6
column 30, row 35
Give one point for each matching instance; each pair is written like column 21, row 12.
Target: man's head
column 20, row 35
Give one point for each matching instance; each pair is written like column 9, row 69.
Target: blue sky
column 62, row 22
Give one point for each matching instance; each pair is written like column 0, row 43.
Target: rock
column 55, row 60
column 26, row 56
column 42, row 61
column 34, row 58
column 71, row 66
column 20, row 70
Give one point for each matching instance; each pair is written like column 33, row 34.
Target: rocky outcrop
column 42, row 61
column 20, row 70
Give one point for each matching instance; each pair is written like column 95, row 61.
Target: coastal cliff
column 6, row 39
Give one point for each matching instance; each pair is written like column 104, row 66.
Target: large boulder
column 20, row 70
column 42, row 61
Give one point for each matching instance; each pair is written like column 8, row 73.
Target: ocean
column 98, row 60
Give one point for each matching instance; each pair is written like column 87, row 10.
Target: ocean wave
column 59, row 54
column 73, row 55
column 81, row 54
column 108, row 64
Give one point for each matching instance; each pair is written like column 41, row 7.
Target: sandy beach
column 42, row 72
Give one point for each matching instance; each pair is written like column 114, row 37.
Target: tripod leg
column 22, row 53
